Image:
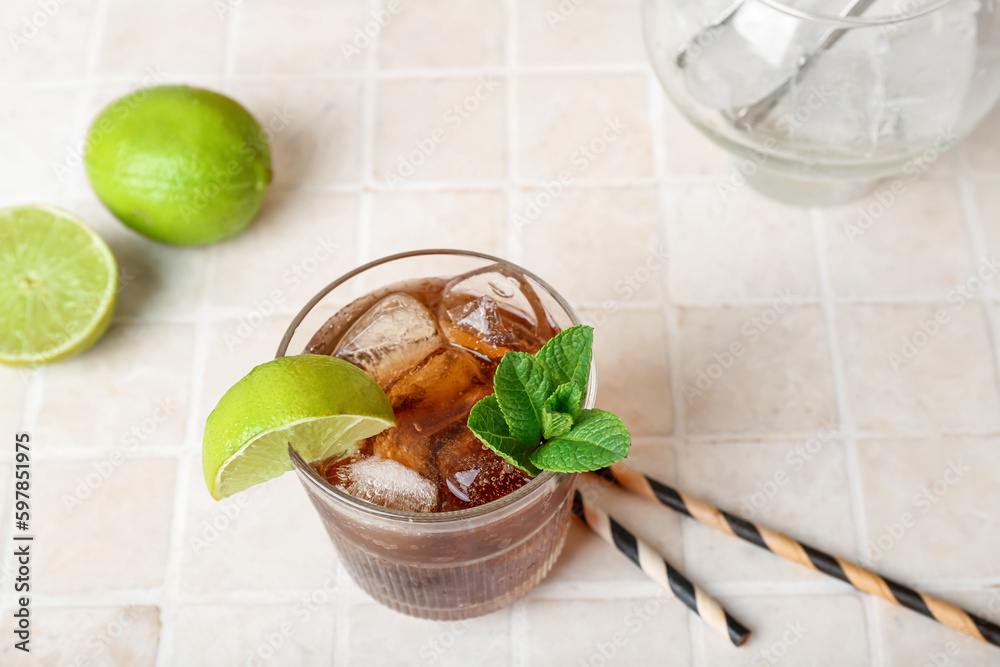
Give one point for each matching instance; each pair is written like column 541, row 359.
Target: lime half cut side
column 58, row 283
column 321, row 406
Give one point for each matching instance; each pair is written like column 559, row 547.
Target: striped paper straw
column 659, row 570
column 861, row 578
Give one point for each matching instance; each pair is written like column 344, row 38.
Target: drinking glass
column 446, row 565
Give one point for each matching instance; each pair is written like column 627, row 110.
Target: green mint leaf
column 567, row 355
column 487, row 422
column 566, row 399
column 522, row 383
column 598, row 439
column 555, row 424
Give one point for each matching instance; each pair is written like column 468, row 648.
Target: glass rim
column 306, row 472
column 838, row 21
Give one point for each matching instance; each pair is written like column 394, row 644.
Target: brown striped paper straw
column 659, row 570
column 861, row 578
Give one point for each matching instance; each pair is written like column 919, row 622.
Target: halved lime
column 58, row 283
column 321, row 405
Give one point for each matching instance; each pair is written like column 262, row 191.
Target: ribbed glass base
column 448, row 592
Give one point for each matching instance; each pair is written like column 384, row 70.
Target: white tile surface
column 481, row 641
column 314, row 128
column 449, row 129
column 104, row 523
column 443, row 33
column 270, row 635
column 742, row 245
column 589, row 126
column 818, row 631
column 127, row 635
column 208, row 584
column 646, row 631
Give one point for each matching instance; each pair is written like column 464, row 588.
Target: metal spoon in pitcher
column 748, row 116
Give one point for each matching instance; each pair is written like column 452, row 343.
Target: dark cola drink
column 433, row 345
column 426, row 519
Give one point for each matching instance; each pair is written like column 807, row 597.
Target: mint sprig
column 556, row 424
column 568, row 355
column 522, row 383
column 566, row 398
column 492, row 429
column 535, row 420
column 596, row 440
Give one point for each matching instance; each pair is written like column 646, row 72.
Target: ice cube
column 472, row 473
column 838, row 106
column 388, row 483
column 493, row 310
column 929, row 66
column 478, row 326
column 395, row 335
column 406, row 445
column 441, row 389
column 740, row 62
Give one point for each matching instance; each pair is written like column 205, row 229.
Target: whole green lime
column 180, row 165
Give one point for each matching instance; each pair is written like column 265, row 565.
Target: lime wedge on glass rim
column 58, row 283
column 320, row 405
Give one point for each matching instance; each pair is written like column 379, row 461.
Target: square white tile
column 755, row 369
column 440, row 129
column 584, row 127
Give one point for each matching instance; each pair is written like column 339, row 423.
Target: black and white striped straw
column 659, row 570
column 860, row 577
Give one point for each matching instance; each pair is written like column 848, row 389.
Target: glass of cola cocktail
column 426, row 519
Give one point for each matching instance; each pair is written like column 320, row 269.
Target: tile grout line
column 520, row 656
column 846, row 428
column 446, row 185
column 659, row 132
column 229, row 58
column 94, row 44
column 695, row 647
column 517, row 630
column 516, row 68
column 86, row 92
column 512, row 234
column 34, row 394
column 597, row 68
column 88, row 454
column 671, row 317
column 170, row 601
column 234, row 312
column 443, row 185
column 340, row 649
column 362, row 232
column 979, row 248
column 369, row 112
